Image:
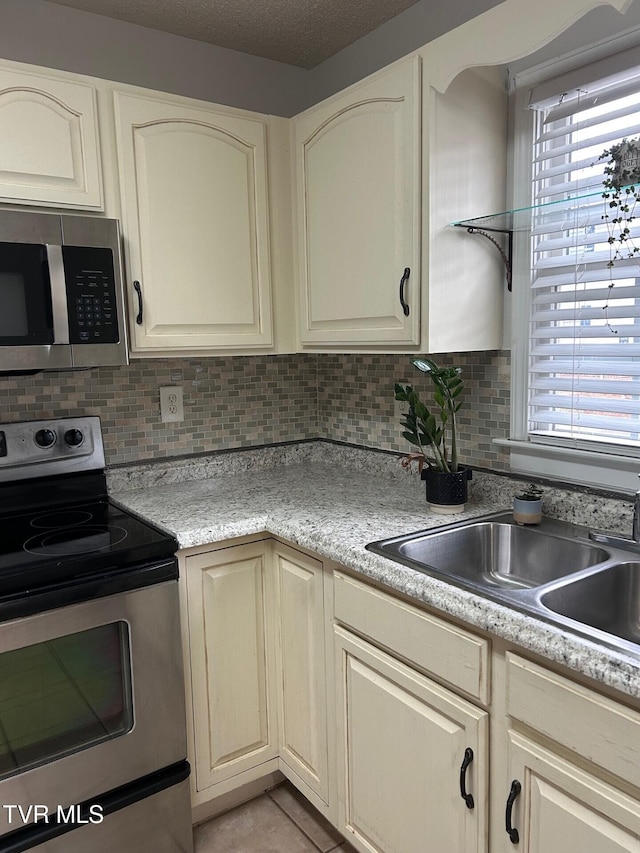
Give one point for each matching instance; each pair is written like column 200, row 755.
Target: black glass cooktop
column 42, row 546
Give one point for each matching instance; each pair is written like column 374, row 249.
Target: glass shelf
column 526, row 218
column 574, row 212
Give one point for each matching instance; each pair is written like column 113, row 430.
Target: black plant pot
column 447, row 491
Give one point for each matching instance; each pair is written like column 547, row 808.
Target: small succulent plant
column 533, row 492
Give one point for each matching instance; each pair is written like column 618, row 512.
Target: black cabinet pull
column 403, row 281
column 138, row 290
column 466, row 761
column 512, row 832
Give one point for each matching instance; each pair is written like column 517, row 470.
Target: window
column 581, row 360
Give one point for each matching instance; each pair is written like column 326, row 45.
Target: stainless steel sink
column 494, row 553
column 608, row 600
column 552, row 572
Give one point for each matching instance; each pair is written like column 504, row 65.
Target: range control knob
column 73, row 437
column 45, row 438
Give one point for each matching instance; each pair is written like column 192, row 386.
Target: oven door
column 91, row 697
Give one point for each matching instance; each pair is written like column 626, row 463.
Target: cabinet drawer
column 445, row 651
column 595, row 727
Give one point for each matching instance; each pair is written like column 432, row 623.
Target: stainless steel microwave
column 61, row 292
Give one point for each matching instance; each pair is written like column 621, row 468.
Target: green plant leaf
column 423, row 364
column 411, row 438
column 400, row 393
column 421, row 410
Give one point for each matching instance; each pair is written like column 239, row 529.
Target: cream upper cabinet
column 195, row 219
column 409, row 748
column 49, row 146
column 358, row 213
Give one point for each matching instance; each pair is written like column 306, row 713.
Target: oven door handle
column 20, row 604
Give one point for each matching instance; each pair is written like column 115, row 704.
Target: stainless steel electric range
column 92, row 717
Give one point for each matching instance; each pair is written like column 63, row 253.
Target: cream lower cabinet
column 231, row 662
column 573, row 767
column 303, row 601
column 409, row 745
column 195, row 219
column 559, row 808
column 403, row 741
column 258, row 673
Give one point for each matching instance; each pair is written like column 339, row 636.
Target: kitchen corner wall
column 252, row 400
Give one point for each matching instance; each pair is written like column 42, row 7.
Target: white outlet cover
column 171, row 404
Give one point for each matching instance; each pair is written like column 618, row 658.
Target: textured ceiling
column 298, row 32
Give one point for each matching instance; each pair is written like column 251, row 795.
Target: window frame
column 612, row 471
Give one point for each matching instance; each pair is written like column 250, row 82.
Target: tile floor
column 280, row 821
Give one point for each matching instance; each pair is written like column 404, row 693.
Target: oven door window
column 64, row 695
column 26, row 318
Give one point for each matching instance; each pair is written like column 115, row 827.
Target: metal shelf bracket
column 505, row 255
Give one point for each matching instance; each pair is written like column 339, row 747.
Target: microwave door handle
column 58, row 295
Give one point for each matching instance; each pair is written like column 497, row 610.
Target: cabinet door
column 49, row 150
column 402, row 743
column 195, row 219
column 358, row 190
column 562, row 809
column 302, row 682
column 230, row 607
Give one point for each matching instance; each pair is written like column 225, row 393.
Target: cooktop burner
column 71, row 541
column 40, row 548
column 72, row 532
column 50, row 520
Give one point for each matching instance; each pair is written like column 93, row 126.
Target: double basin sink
column 554, row 572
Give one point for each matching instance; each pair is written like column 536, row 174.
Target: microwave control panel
column 91, row 295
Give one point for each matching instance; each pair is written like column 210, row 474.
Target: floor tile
column 259, row 826
column 314, row 825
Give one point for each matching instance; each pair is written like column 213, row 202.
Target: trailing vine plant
column 621, row 195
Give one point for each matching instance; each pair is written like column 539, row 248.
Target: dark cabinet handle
column 138, row 290
column 403, row 281
column 466, row 761
column 512, row 832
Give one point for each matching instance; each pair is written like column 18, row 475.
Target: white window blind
column 584, row 352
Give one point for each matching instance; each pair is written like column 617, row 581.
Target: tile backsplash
column 243, row 401
column 356, row 401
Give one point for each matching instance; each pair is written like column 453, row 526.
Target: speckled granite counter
column 325, row 501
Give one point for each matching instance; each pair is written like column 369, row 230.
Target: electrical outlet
column 171, row 405
column 399, row 409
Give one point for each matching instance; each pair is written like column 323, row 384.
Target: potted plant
column 434, row 434
column 527, row 506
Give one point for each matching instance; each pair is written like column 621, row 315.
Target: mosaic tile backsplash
column 245, row 401
column 356, row 401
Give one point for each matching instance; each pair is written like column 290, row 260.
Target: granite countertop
column 334, row 507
